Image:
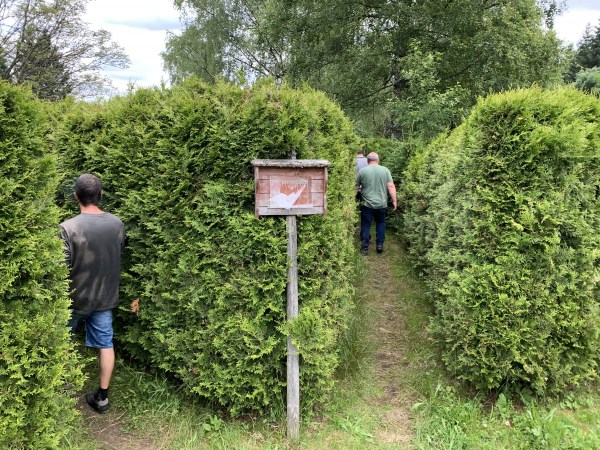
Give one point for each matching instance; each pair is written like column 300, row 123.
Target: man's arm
column 392, row 190
column 67, row 245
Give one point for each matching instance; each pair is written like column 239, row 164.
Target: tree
column 587, row 54
column 221, row 38
column 46, row 44
column 588, row 49
column 365, row 53
column 362, row 52
column 43, row 69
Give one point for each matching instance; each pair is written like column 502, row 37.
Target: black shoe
column 364, row 247
column 100, row 406
column 379, row 248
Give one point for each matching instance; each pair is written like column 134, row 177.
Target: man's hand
column 392, row 190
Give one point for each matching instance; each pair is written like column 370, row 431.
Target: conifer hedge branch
column 210, row 276
column 504, row 215
column 37, row 358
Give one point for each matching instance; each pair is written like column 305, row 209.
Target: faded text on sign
column 288, row 192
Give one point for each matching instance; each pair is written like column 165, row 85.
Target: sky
column 140, row 27
column 571, row 24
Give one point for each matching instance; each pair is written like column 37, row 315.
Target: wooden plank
column 265, row 173
column 314, row 199
column 293, row 363
column 290, row 187
column 256, row 173
column 263, row 185
column 325, row 192
column 264, row 211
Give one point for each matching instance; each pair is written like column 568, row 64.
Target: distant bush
column 504, row 216
column 36, row 354
column 588, row 80
column 210, row 276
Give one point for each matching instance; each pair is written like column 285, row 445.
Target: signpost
column 291, row 187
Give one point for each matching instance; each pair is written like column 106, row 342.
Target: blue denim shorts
column 98, row 328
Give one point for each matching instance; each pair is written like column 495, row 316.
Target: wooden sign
column 291, row 187
column 287, row 187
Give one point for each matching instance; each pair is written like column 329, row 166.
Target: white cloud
column 570, row 25
column 133, row 12
column 140, row 27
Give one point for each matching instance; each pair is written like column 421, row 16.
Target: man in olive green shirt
column 374, row 182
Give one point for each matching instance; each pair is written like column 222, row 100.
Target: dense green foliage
column 36, row 354
column 396, row 67
column 210, row 276
column 504, row 215
column 588, row 80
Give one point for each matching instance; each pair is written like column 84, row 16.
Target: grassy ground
column 392, row 394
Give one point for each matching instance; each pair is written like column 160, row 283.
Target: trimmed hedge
column 210, row 276
column 36, row 354
column 504, row 215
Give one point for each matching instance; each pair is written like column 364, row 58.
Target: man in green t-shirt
column 374, row 182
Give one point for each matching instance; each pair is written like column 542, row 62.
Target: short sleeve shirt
column 373, row 181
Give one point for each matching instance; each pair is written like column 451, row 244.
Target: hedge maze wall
column 37, row 359
column 210, row 276
column 504, row 216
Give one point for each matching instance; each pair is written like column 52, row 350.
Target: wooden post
column 293, row 363
column 291, row 187
column 293, row 366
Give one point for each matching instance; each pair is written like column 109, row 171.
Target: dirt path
column 109, row 430
column 385, row 294
column 388, row 293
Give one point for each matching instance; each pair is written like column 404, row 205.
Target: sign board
column 291, row 187
column 286, row 187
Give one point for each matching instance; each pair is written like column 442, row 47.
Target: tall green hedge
column 504, row 216
column 210, row 276
column 37, row 359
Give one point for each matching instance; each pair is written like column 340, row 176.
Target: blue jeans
column 98, row 328
column 366, row 219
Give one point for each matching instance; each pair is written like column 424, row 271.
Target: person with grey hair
column 374, row 183
column 93, row 242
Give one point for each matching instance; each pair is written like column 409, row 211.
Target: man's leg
column 366, row 218
column 106, row 359
column 380, row 228
column 99, row 334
